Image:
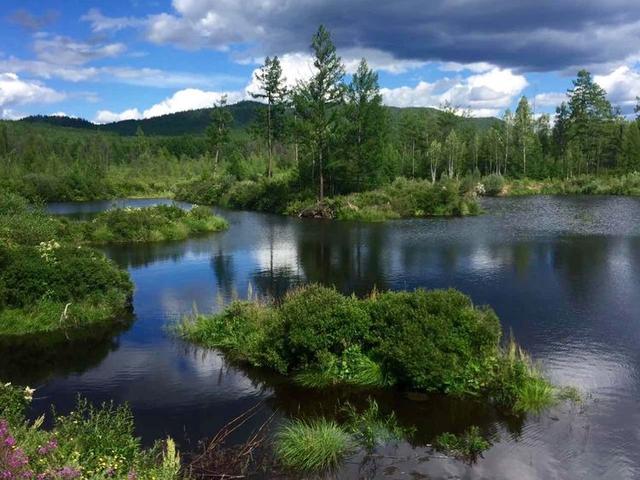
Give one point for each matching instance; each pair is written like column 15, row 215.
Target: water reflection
column 562, row 273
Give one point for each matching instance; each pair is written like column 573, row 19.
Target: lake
column 562, row 273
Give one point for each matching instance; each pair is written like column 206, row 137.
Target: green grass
column 47, row 316
column 466, row 446
column 312, row 446
column 627, row 185
column 371, row 428
column 351, row 368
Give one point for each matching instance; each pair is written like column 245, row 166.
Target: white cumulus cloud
column 483, row 94
column 622, row 86
column 15, row 91
column 182, row 100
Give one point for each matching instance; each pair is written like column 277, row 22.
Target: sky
column 122, row 59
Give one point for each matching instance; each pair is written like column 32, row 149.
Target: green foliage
column 467, row 446
column 371, row 428
column 104, row 435
column 247, row 331
column 53, row 286
column 318, row 319
column 493, row 184
column 628, row 185
column 90, row 442
column 518, row 384
column 14, row 402
column 430, row 341
column 162, row 222
column 58, row 273
column 353, row 368
column 312, row 446
column 452, row 342
column 218, row 133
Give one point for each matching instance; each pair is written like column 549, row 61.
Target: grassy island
column 427, row 341
column 149, row 224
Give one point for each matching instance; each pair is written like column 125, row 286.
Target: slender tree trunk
column 269, row 141
column 321, row 176
column 413, row 158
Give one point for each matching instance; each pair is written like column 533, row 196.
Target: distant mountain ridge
column 195, row 122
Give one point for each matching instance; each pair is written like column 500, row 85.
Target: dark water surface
column 562, row 273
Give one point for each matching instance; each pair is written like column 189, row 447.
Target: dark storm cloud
column 538, row 35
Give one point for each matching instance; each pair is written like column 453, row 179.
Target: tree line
column 334, row 134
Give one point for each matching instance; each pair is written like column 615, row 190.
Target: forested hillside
column 196, row 121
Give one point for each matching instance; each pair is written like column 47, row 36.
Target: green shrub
column 319, row 319
column 429, row 341
column 432, row 340
column 54, row 286
column 312, row 446
column 493, row 184
column 162, row 222
column 59, row 273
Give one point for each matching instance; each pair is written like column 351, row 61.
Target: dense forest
column 329, row 135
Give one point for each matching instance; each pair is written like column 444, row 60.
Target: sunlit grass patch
column 312, row 446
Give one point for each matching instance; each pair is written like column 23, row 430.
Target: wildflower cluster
column 16, row 464
column 47, row 250
column 14, row 401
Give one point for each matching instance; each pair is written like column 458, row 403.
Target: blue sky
column 106, row 61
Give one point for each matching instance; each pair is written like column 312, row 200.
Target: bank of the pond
column 425, row 341
column 52, row 287
column 89, row 443
column 622, row 185
column 400, row 199
column 26, row 224
column 51, row 281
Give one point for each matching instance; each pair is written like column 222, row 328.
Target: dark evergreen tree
column 273, row 90
column 316, row 103
column 218, row 131
column 366, row 130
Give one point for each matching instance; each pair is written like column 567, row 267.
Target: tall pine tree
column 272, row 89
column 316, row 102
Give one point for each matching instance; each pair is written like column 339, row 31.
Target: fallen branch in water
column 222, row 462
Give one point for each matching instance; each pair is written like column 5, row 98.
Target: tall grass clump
column 371, row 428
column 311, row 446
column 519, row 383
column 467, row 446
